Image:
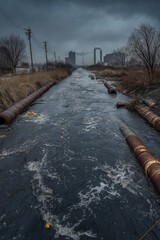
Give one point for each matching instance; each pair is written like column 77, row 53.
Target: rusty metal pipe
column 150, row 165
column 121, row 104
column 11, row 113
column 111, row 89
column 151, row 117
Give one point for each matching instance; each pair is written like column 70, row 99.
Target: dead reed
column 15, row 88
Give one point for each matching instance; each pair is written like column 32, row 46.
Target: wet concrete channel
column 71, row 167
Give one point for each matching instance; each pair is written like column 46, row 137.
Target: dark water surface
column 71, row 167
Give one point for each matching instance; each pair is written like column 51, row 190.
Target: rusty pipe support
column 111, row 89
column 150, row 165
column 149, row 102
column 11, row 113
column 151, row 117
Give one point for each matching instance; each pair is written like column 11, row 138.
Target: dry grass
column 13, row 89
column 108, row 72
column 135, row 81
column 130, row 80
column 131, row 104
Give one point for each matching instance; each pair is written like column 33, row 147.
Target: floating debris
column 32, row 114
column 2, row 136
column 48, row 226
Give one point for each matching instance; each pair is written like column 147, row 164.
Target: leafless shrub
column 144, row 44
column 12, row 49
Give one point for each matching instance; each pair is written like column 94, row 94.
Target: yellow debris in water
column 48, row 226
column 32, row 114
column 2, row 136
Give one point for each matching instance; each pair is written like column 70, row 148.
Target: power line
column 55, row 58
column 37, row 41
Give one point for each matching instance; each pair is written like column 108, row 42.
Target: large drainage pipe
column 151, row 117
column 11, row 113
column 111, row 89
column 150, row 165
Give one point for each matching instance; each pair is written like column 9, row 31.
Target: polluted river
column 71, row 168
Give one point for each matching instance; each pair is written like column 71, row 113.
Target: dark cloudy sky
column 77, row 25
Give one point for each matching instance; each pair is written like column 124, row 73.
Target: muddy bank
column 152, row 93
column 133, row 83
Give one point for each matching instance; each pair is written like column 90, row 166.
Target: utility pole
column 45, row 47
column 83, row 60
column 55, row 57
column 28, row 33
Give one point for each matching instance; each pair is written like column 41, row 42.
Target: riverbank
column 15, row 88
column 132, row 82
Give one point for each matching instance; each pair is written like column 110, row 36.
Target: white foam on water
column 19, row 236
column 45, row 196
column 120, row 175
column 2, row 221
column 2, row 217
column 69, row 231
column 69, row 155
column 93, row 195
column 115, row 134
column 78, row 108
column 50, row 145
column 43, row 193
column 54, row 124
column 151, row 210
column 37, row 167
column 91, row 123
column 69, row 168
column 18, row 149
column 90, row 158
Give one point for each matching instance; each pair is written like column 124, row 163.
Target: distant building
column 115, row 59
column 67, row 60
column 71, row 59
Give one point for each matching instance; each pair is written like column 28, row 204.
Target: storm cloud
column 78, row 25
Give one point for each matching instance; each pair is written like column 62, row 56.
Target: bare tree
column 12, row 49
column 144, row 44
column 4, row 63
